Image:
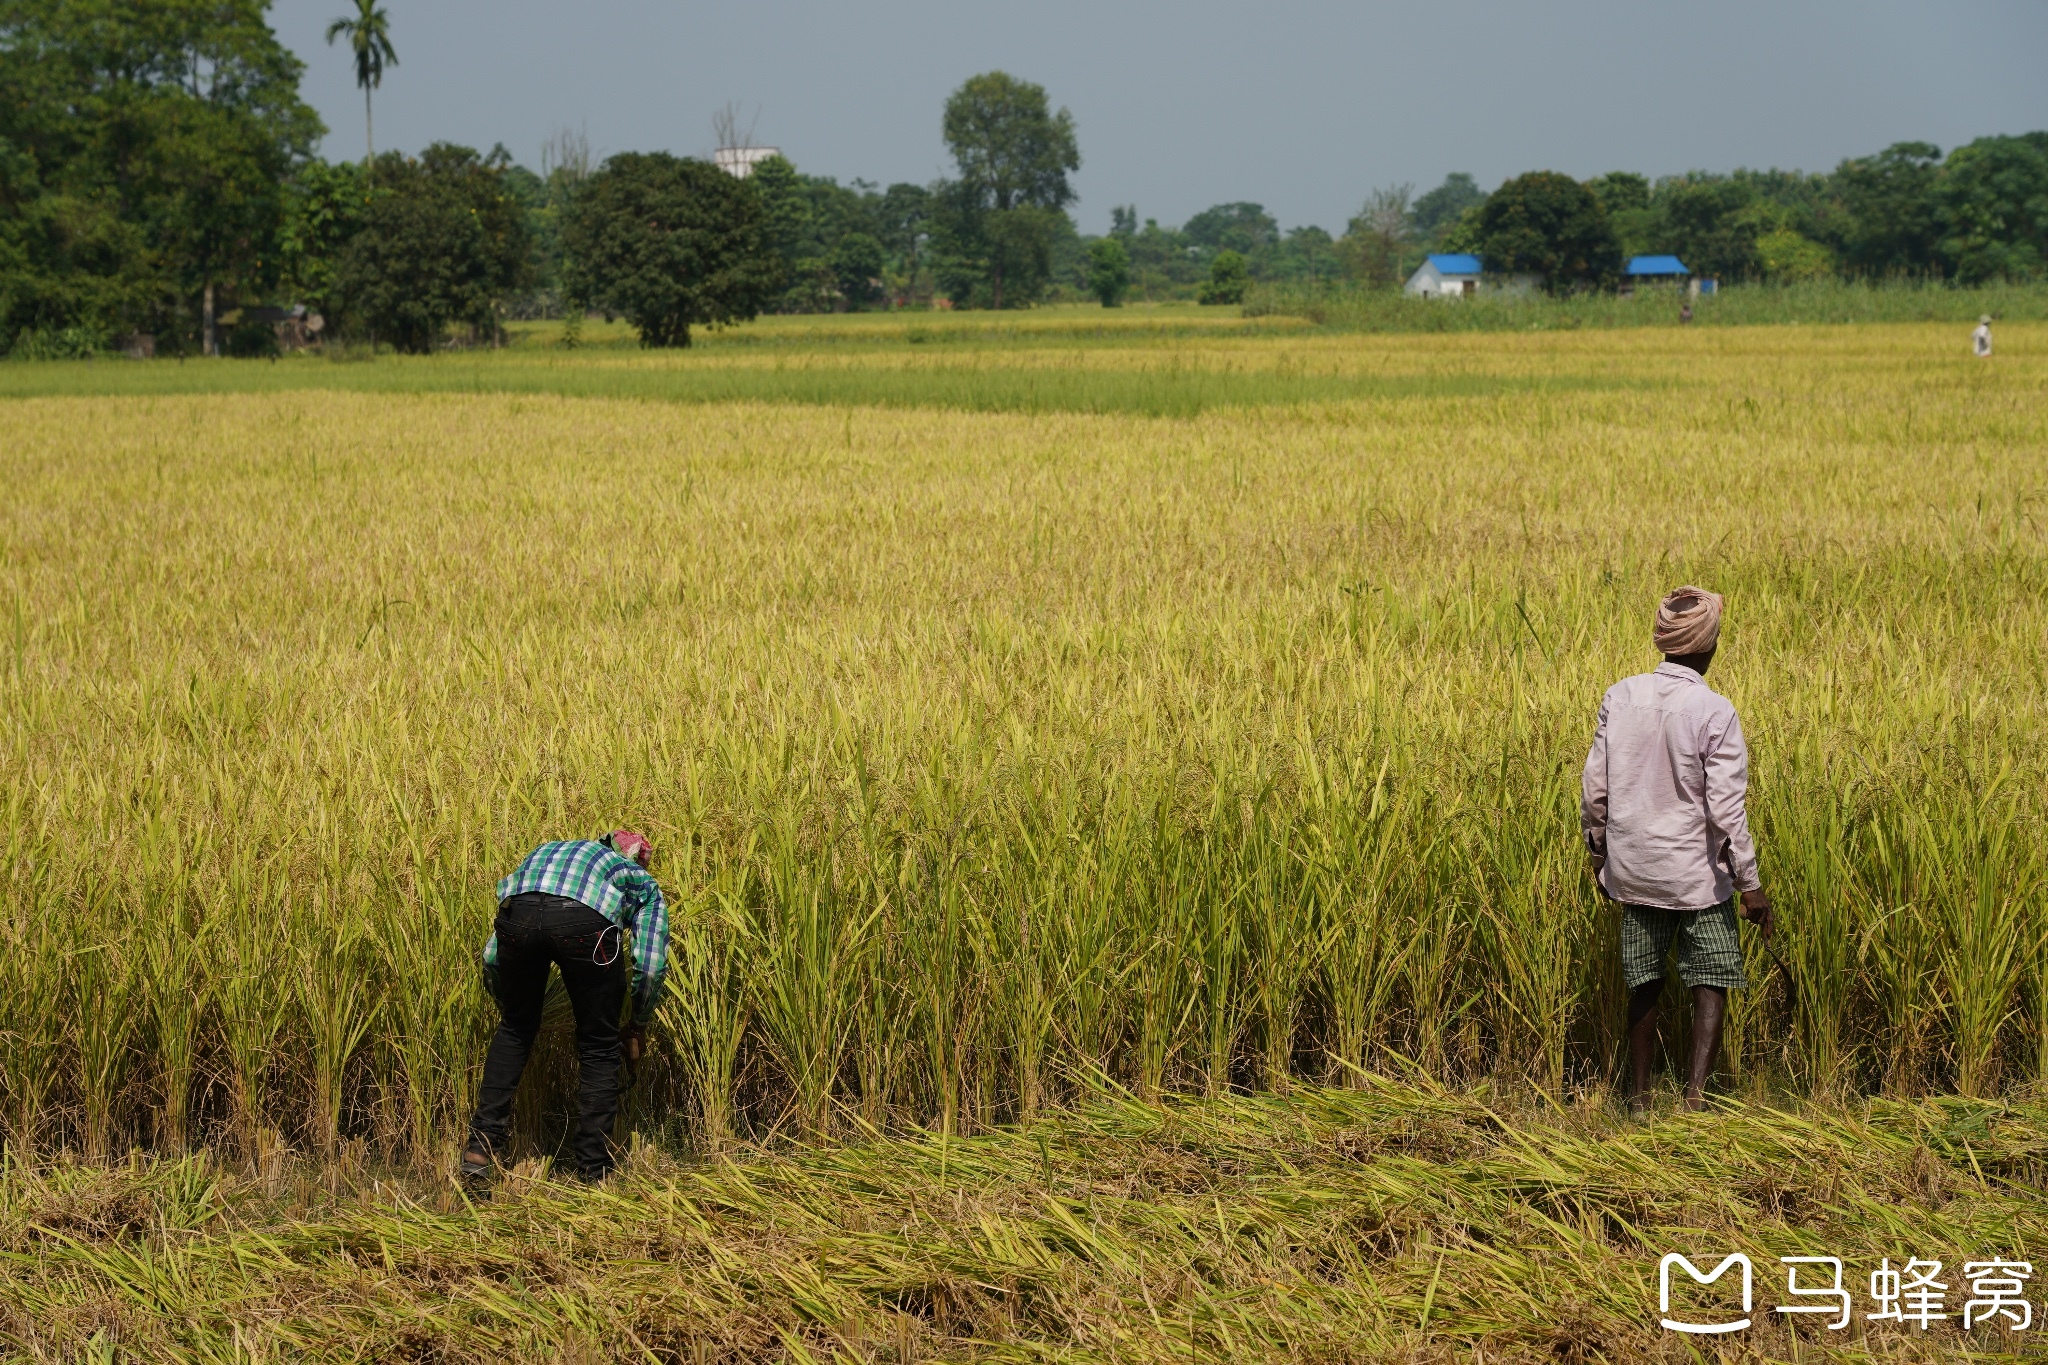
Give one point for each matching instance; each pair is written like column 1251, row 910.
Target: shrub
column 1109, row 271
column 1229, row 277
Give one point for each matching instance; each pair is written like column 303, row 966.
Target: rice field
column 1188, row 713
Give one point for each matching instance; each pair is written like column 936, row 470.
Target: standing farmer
column 1669, row 838
column 1980, row 340
column 590, row 907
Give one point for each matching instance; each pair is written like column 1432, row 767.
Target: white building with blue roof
column 1449, row 275
column 1457, row 275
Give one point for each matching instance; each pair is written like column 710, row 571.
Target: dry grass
column 1390, row 1222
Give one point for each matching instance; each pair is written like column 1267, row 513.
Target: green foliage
column 1548, row 224
column 1626, row 197
column 1244, row 228
column 368, row 31
column 252, row 340
column 1463, row 233
column 1109, row 271
column 1787, row 257
column 836, row 244
column 1439, row 210
column 1620, row 190
column 143, row 154
column 323, row 211
column 1228, row 279
column 857, row 262
column 668, row 243
column 1306, row 254
column 997, row 223
column 1011, row 150
column 1703, row 220
column 1893, row 225
column 902, row 218
column 1993, row 196
column 57, row 343
column 1379, row 239
column 441, row 242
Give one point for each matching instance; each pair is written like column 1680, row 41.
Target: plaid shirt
column 617, row 888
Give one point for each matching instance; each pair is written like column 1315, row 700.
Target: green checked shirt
column 613, row 885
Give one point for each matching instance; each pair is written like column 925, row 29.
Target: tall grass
column 1813, row 302
column 990, row 758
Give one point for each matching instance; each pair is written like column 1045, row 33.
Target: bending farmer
column 1668, row 835
column 590, row 907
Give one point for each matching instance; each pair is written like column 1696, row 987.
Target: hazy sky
column 1301, row 107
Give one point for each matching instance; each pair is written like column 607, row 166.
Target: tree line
column 158, row 177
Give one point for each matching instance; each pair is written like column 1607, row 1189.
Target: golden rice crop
column 987, row 753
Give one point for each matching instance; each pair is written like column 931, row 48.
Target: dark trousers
column 534, row 931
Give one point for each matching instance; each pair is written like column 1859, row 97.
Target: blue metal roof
column 1655, row 265
column 1457, row 264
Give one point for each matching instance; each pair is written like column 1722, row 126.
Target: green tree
column 323, row 212
column 1229, row 277
column 1462, row 233
column 1548, row 224
column 442, row 241
column 1626, row 198
column 785, row 208
column 1244, row 228
column 1109, row 271
column 1893, row 218
column 1708, row 222
column 1164, row 264
column 1307, row 254
column 1619, row 191
column 1438, row 209
column 1993, row 195
column 368, row 31
column 903, row 223
column 857, row 262
column 1787, row 257
column 144, row 155
column 1376, row 239
column 1002, row 215
column 668, row 244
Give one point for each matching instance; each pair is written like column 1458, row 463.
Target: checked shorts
column 1709, row 950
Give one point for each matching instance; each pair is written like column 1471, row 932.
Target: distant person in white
column 1981, row 338
column 1666, row 828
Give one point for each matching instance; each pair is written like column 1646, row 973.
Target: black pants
column 534, row 930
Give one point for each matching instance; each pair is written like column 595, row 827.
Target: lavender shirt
column 1663, row 793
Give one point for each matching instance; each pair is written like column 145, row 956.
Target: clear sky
column 1302, row 107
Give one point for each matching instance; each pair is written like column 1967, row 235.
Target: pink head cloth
column 629, row 844
column 1688, row 621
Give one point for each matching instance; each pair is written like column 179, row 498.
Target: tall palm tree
column 369, row 37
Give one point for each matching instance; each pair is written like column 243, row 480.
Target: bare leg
column 1642, row 1040
column 1709, row 1004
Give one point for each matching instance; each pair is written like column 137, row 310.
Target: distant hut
column 1653, row 270
column 1447, row 276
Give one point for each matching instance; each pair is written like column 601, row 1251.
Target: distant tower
column 737, row 155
